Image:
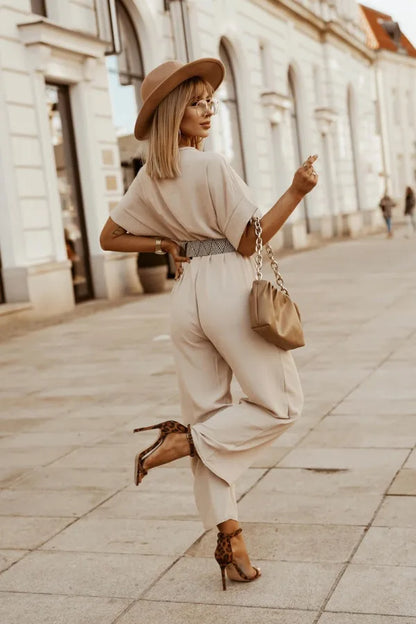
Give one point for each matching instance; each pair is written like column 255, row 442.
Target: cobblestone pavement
column 329, row 511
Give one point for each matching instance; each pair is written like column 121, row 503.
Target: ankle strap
column 230, row 535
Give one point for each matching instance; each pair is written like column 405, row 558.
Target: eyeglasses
column 206, row 106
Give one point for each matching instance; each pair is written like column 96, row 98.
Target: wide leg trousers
column 213, row 340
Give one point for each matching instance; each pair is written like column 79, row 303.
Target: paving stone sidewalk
column 329, row 511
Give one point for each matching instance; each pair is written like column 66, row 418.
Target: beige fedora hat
column 166, row 77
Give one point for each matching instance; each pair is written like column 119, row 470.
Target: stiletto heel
column 225, row 559
column 166, row 427
column 224, row 582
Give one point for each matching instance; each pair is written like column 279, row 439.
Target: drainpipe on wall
column 384, row 132
column 179, row 16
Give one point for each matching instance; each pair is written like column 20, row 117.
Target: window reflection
column 229, row 117
column 125, row 76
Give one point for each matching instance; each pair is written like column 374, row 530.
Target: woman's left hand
column 177, row 254
column 305, row 178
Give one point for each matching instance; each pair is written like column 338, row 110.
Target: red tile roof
column 377, row 37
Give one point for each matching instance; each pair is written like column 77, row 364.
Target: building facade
column 394, row 67
column 301, row 79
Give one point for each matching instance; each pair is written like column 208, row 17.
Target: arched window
column 295, row 132
column 125, row 76
column 229, row 117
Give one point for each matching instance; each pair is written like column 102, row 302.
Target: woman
column 185, row 194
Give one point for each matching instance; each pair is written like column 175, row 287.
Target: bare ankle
column 182, row 444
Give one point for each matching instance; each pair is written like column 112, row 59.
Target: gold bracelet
column 158, row 247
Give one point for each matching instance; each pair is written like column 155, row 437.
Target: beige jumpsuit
column 210, row 326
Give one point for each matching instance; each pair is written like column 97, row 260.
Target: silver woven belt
column 209, row 247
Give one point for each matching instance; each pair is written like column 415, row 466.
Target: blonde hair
column 163, row 148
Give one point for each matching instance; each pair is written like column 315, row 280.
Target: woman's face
column 196, row 122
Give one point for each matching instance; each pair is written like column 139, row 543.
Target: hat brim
column 209, row 69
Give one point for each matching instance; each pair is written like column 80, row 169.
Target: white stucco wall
column 397, row 86
column 329, row 66
column 290, row 42
column 31, row 221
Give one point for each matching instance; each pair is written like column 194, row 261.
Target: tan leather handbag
column 273, row 314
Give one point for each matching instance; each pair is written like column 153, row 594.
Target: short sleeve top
column 208, row 200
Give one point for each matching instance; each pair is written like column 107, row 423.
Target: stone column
column 277, row 108
column 329, row 223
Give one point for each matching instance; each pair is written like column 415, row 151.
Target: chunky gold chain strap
column 259, row 258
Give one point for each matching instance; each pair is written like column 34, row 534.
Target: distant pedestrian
column 409, row 210
column 386, row 204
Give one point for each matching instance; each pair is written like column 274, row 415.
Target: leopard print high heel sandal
column 167, row 427
column 225, row 559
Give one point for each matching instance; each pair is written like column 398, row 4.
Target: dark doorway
column 66, row 163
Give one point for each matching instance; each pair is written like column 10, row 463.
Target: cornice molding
column 325, row 117
column 335, row 30
column 276, row 104
column 325, row 28
column 43, row 32
column 393, row 57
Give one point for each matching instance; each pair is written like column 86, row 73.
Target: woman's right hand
column 177, row 254
column 305, row 178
